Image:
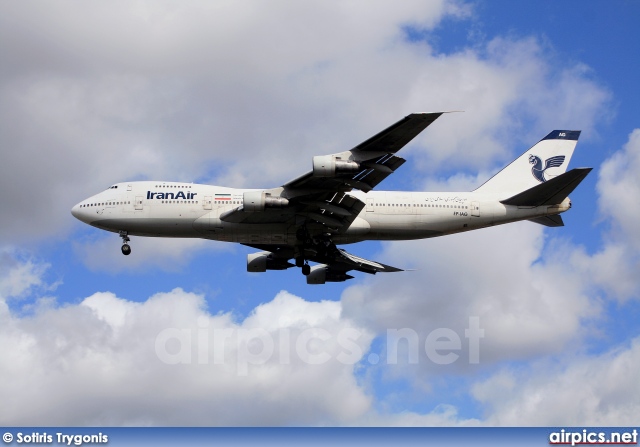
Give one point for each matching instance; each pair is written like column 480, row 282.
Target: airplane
column 307, row 218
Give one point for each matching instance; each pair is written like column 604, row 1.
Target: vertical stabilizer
column 544, row 161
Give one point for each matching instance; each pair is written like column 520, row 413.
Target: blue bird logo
column 538, row 171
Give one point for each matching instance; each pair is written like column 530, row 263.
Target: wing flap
column 364, row 265
column 334, row 268
column 336, row 210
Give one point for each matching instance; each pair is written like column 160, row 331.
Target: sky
column 516, row 325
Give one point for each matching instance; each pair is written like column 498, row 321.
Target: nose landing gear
column 126, row 249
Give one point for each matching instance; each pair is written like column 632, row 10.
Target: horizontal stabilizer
column 554, row 220
column 551, row 192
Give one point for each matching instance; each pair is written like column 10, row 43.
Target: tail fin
column 549, row 158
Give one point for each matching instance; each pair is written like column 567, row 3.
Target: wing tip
column 434, row 113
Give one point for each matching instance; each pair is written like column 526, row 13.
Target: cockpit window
column 113, row 187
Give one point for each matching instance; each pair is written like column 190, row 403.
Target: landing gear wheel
column 306, row 269
column 126, row 250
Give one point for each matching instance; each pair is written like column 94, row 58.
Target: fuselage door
column 137, row 205
column 475, row 209
column 370, row 204
column 206, row 203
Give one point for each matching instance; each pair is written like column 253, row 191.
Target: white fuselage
column 173, row 209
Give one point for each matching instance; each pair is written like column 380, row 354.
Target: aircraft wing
column 321, row 195
column 371, row 161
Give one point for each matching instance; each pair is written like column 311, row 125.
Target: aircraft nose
column 76, row 212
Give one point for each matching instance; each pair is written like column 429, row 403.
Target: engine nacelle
column 330, row 166
column 265, row 260
column 320, row 274
column 255, row 201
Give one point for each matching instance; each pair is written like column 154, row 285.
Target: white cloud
column 619, row 189
column 19, row 276
column 111, row 361
column 579, row 391
column 442, row 416
column 529, row 297
column 614, row 267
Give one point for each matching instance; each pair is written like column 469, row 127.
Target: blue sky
column 239, row 94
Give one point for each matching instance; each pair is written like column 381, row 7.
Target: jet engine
column 255, row 201
column 265, row 260
column 330, row 166
column 321, row 274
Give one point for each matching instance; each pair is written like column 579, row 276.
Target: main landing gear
column 306, row 268
column 126, row 250
column 303, row 237
column 317, row 247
